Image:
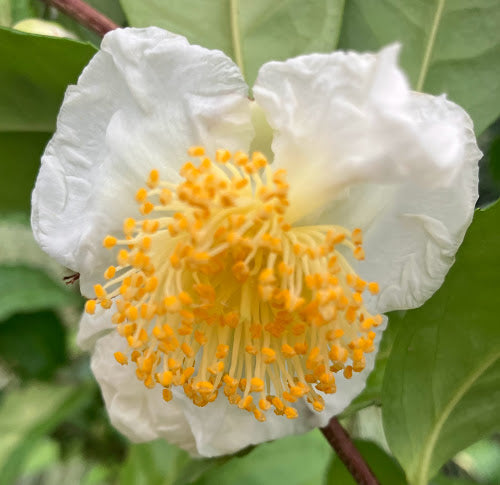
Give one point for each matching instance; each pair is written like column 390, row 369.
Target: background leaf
column 156, row 463
column 250, row 32
column 24, row 289
column 295, row 460
column 33, row 345
column 35, row 71
column 442, row 382
column 25, row 416
column 449, row 46
column 21, row 153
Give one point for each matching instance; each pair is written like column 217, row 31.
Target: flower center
column 215, row 291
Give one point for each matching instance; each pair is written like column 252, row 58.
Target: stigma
column 216, row 293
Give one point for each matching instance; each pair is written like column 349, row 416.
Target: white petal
column 412, row 232
column 92, row 327
column 346, row 118
column 140, row 103
column 219, row 428
column 140, row 414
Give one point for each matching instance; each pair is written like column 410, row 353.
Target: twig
column 340, row 441
column 84, row 14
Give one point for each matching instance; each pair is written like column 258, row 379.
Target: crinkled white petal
column 144, row 98
column 92, row 327
column 219, row 428
column 140, row 414
column 412, row 231
column 345, row 118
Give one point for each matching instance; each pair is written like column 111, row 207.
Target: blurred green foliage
column 436, row 377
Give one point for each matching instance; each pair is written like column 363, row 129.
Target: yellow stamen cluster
column 215, row 291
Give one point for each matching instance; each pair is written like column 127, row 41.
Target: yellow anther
column 301, row 348
column 291, row 413
column 121, row 358
column 251, row 349
column 288, row 351
column 128, row 226
column 264, row 404
column 222, row 156
column 269, row 355
column 146, row 208
column 259, row 415
column 90, row 306
column 359, row 253
column 348, row 372
column 154, row 178
column 222, row 350
column 165, row 196
column 167, row 395
column 259, row 160
column 318, row 405
column 151, row 284
column 196, row 151
column 141, row 195
column 150, row 226
column 256, row 384
column 185, row 298
column 240, row 158
column 373, row 287
column 132, row 313
column 110, row 272
column 109, row 242
column 122, row 257
column 278, row 403
column 357, row 236
column 99, row 291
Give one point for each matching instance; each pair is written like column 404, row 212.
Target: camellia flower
column 233, row 299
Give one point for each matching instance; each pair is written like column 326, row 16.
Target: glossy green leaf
column 24, row 289
column 295, row 460
column 449, row 46
column 33, row 345
column 442, row 382
column 28, row 414
column 384, row 467
column 251, row 32
column 156, row 463
column 20, row 162
column 35, row 71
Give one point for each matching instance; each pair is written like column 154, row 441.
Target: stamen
column 215, row 290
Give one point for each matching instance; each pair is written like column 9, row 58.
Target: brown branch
column 84, row 14
column 341, row 442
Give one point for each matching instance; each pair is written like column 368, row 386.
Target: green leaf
column 21, row 154
column 5, row 13
column 449, row 46
column 35, row 71
column 28, row 414
column 295, row 460
column 23, row 9
column 442, row 382
column 384, row 467
column 443, row 480
column 156, row 463
column 489, row 165
column 24, row 289
column 252, row 33
column 33, row 345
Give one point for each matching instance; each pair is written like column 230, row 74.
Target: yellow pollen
column 217, row 293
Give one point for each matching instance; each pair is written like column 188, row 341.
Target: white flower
column 245, row 275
